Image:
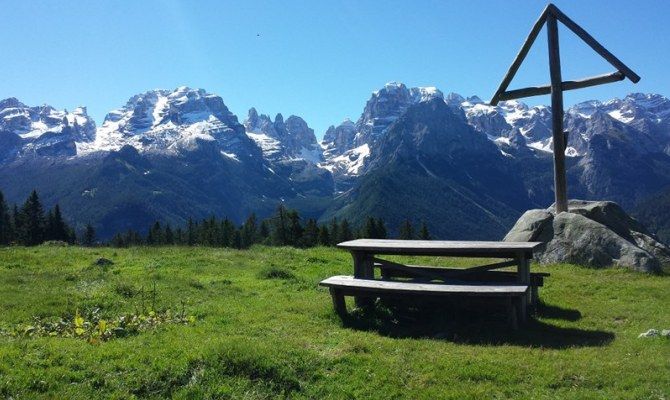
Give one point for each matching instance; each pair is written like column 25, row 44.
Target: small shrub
column 274, row 272
column 357, row 347
column 126, row 290
column 103, row 262
column 196, row 284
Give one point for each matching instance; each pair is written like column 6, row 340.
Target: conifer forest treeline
column 30, row 225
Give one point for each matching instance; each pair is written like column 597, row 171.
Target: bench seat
column 342, row 285
column 458, row 275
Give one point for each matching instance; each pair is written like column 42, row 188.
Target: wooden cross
column 550, row 16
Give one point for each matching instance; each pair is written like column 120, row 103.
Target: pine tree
column 56, row 228
column 31, row 221
column 49, row 226
column 264, row 231
column 324, row 236
column 155, row 236
column 423, row 233
column 280, row 229
column 71, row 235
column 369, row 230
column 16, row 222
column 381, row 229
column 168, row 236
column 191, row 232
column 406, row 230
column 119, row 240
column 6, row 226
column 345, row 233
column 310, row 236
column 236, row 241
column 150, row 238
column 249, row 234
column 131, row 238
column 210, row 232
column 228, row 230
column 334, row 232
column 373, row 229
column 89, row 235
column 295, row 229
column 179, row 237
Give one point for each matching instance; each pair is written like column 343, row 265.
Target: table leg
column 338, row 303
column 512, row 313
column 523, row 277
column 363, row 269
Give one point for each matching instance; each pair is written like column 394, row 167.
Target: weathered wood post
column 551, row 16
column 560, row 184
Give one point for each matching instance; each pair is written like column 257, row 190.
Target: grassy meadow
column 253, row 324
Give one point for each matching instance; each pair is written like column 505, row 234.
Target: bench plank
column 413, row 271
column 351, row 284
column 441, row 247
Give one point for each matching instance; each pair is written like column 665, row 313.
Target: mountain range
column 464, row 167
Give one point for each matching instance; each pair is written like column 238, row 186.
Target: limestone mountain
column 166, row 155
column 430, row 165
column 27, row 132
column 464, row 167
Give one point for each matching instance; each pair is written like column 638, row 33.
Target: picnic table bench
column 519, row 287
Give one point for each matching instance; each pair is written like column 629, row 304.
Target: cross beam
column 550, row 17
column 565, row 85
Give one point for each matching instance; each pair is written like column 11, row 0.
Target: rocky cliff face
column 386, row 105
column 291, row 151
column 348, row 146
column 283, row 140
column 339, row 139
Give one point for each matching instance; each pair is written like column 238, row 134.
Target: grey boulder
column 592, row 233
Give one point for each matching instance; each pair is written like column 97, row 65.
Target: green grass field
column 256, row 325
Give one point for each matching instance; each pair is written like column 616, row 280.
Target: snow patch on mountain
column 350, row 163
column 270, row 147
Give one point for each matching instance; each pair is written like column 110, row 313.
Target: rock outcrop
column 593, row 233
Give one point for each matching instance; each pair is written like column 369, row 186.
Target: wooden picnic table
column 364, row 253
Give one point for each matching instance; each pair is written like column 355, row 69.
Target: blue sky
column 320, row 60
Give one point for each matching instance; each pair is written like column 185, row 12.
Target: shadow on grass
column 555, row 312
column 470, row 324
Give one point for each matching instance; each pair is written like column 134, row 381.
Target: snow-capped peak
column 34, row 122
column 42, row 130
column 166, row 121
column 420, row 94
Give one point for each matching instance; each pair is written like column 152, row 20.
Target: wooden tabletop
column 441, row 247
